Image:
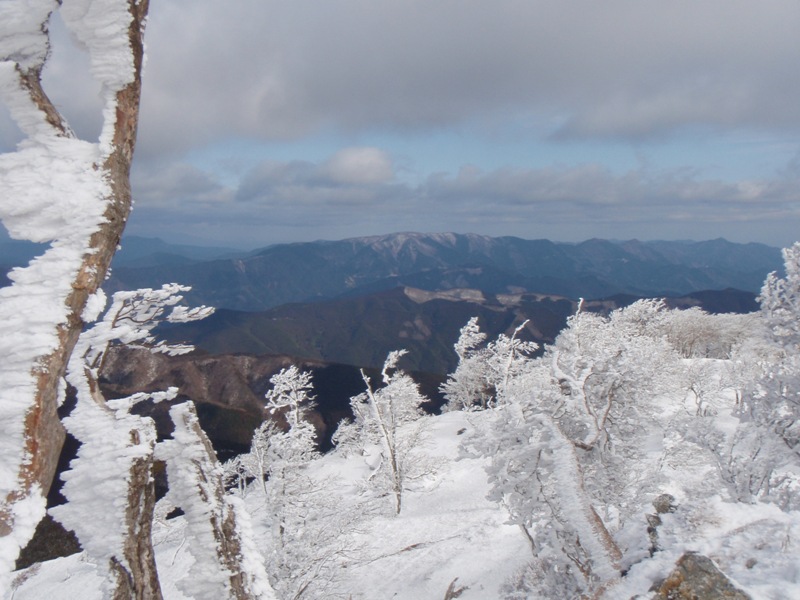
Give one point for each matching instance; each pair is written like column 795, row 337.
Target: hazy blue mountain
column 147, row 252
column 323, row 270
column 314, row 271
column 134, row 252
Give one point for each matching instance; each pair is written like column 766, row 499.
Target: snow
column 756, row 546
column 21, row 36
column 69, row 578
column 94, row 306
column 448, row 529
column 97, row 483
column 50, row 191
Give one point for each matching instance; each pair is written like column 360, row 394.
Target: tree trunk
column 42, row 430
column 139, row 581
column 576, row 507
column 216, row 541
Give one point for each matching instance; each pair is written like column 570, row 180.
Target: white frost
column 101, row 26
column 51, row 190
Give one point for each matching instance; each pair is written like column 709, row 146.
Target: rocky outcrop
column 696, row 577
column 228, row 390
column 664, row 503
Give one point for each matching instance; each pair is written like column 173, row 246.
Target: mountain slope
column 361, row 330
column 229, row 390
column 308, row 272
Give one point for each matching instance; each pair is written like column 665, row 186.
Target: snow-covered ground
column 445, row 531
column 448, row 531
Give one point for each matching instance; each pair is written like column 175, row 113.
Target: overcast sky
column 269, row 121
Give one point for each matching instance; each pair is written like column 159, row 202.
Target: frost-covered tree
column 311, row 528
column 227, row 563
column 116, row 452
column 131, row 319
column 762, row 459
column 273, row 452
column 291, row 393
column 608, row 371
column 780, row 301
column 388, row 417
column 271, row 449
column 483, row 371
column 696, row 334
column 562, row 442
column 467, row 386
column 74, row 194
column 254, row 465
column 539, row 476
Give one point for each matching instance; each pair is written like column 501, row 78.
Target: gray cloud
column 164, row 185
column 268, row 70
column 275, row 70
column 279, row 70
column 289, row 201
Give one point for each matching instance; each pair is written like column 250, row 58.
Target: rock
column 665, row 503
column 653, row 521
column 696, row 577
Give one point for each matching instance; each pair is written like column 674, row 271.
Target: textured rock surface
column 696, row 577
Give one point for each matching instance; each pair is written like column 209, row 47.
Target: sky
column 266, row 121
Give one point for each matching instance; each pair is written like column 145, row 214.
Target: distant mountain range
column 319, row 271
column 354, row 300
column 314, row 271
column 135, row 252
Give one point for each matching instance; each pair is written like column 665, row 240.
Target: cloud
column 177, row 184
column 576, row 75
column 351, row 177
column 360, row 165
column 594, row 195
column 300, row 200
column 274, row 70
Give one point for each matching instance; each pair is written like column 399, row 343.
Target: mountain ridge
column 324, row 270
